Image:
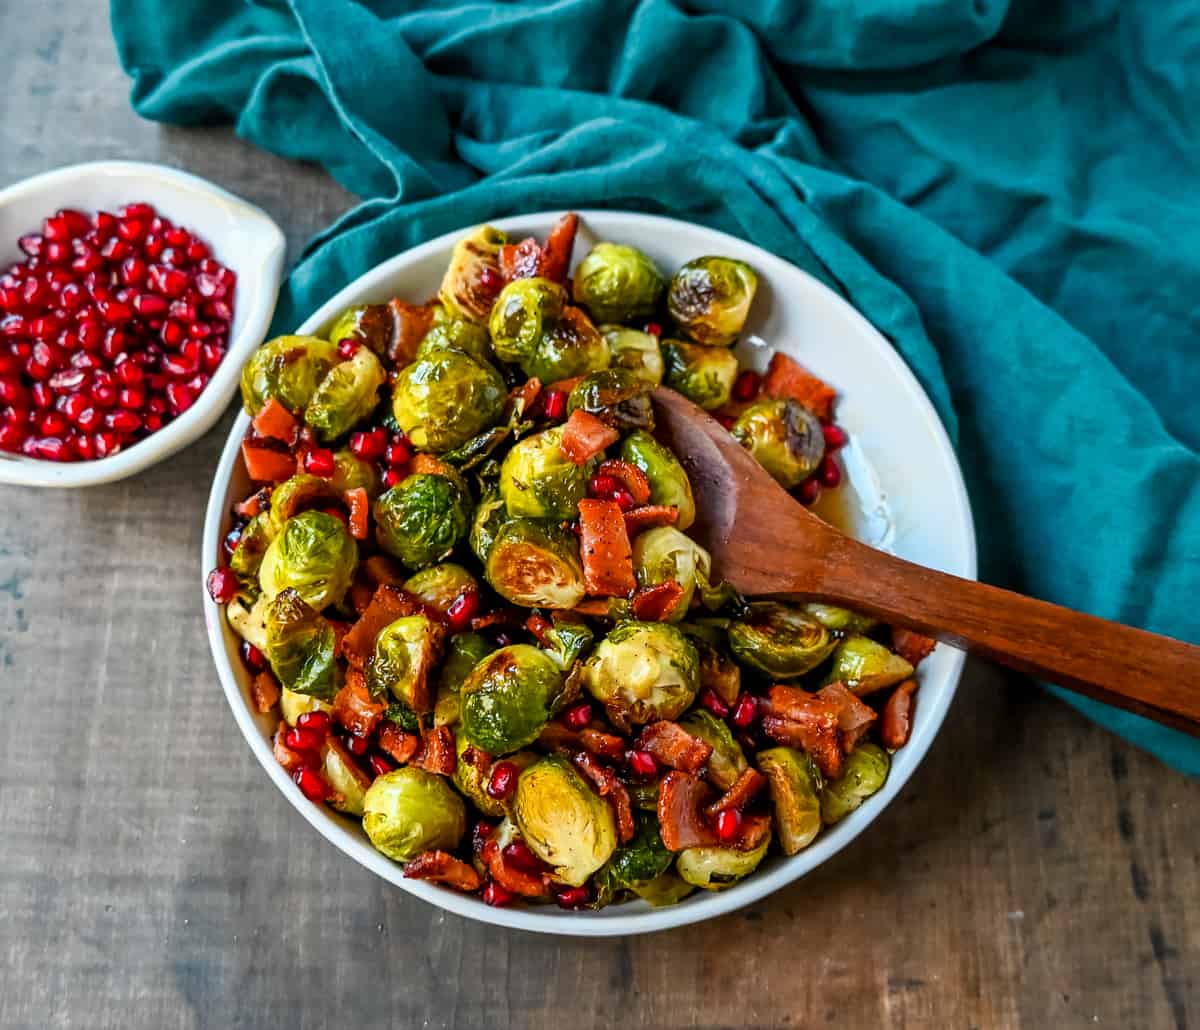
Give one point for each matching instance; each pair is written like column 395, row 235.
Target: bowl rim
column 259, row 281
column 606, row 922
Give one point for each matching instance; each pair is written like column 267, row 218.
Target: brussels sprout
column 409, row 810
column 252, row 545
column 508, row 698
column 450, row 333
column 346, row 396
column 714, row 869
column 473, row 783
column 664, row 553
column 315, row 555
column 643, row 859
column 727, row 761
column 293, row 705
column 249, row 623
column 368, row 325
column 287, row 368
column 563, row 821
column 643, row 671
column 779, row 640
column 668, row 482
column 718, row 672
column 704, row 375
column 615, row 396
column 490, row 514
column 538, row 481
column 795, row 784
column 403, row 659
column 667, row 889
column 571, row 346
column 635, row 351
column 865, row 666
column 864, row 774
column 840, row 620
column 300, row 493
column 524, row 312
column 565, row 642
column 442, row 400
column 618, row 283
column 352, row 473
column 643, row 794
column 300, row 645
column 421, row 518
column 710, row 298
column 349, row 782
column 784, row 437
column 473, row 280
column 439, row 586
column 463, row 653
column 536, row 565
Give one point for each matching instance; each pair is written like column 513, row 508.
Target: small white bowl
column 241, row 236
column 900, row 467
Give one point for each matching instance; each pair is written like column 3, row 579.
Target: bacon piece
column 896, row 725
column 749, row 783
column 520, row 260
column 755, row 829
column 584, row 436
column 521, row 398
column 264, row 691
column 596, row 608
column 672, row 745
column 539, row 626
column 276, row 422
column 787, row 378
column 477, row 759
column 356, row 501
column 528, row 885
column 564, row 385
column 631, row 477
column 498, row 617
column 387, row 605
column 681, row 801
column 380, row 569
column 436, row 753
column 912, row 647
column 606, row 745
column 855, row 717
column 557, row 737
column 819, row 737
column 284, row 755
column 354, row 707
column 410, row 323
column 609, row 786
column 254, row 504
column 429, row 465
column 442, row 867
column 398, row 743
column 267, row 465
column 657, row 603
column 556, row 254
column 604, row 549
column 360, row 596
column 650, row 516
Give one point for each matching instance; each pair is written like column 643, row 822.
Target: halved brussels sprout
column 249, row 623
column 439, row 586
column 784, row 437
column 643, row 671
column 442, row 400
column 403, row 659
column 615, row 396
column 710, row 298
column 450, row 333
column 409, row 810
column 663, row 554
column 298, row 494
column 727, row 761
column 570, row 346
column 667, row 889
column 563, row 821
column 635, row 351
column 315, row 555
column 617, row 283
column 714, row 869
column 523, row 313
column 349, row 782
column 300, row 645
column 668, row 482
column 865, row 666
column 421, row 518
column 644, row 859
column 473, row 279
column 704, row 375
column 840, row 620
column 490, row 514
column 252, row 545
column 565, row 641
column 346, row 396
column 463, row 652
column 293, row 705
column 718, row 672
column 779, row 640
column 795, row 783
column 352, row 473
column 536, row 565
column 864, row 774
column 508, row 698
column 538, row 481
column 368, row 325
column 287, row 368
column 473, row 783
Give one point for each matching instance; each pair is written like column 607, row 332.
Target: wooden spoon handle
column 1152, row 675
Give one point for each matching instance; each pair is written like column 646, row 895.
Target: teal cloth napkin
column 1008, row 189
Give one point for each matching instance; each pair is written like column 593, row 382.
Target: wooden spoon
column 766, row 543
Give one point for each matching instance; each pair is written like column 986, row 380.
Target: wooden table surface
column 1034, row 873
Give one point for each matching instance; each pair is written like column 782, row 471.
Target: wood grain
column 1035, row 873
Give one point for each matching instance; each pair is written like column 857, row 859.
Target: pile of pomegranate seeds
column 110, row 328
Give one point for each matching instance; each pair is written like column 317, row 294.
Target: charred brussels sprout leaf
column 538, row 481
column 617, row 283
column 643, row 671
column 727, row 761
column 439, row 586
column 490, row 515
column 795, row 784
column 249, row 623
column 667, row 889
column 710, row 298
column 570, row 346
column 536, row 565
column 463, row 653
column 566, row 641
column 352, row 473
column 300, row 646
column 524, row 312
column 300, row 493
column 718, row 672
column 409, row 810
column 403, row 716
column 715, row 869
column 668, row 481
column 349, row 782
column 563, row 821
column 779, row 640
column 663, row 554
column 421, row 518
column 293, row 705
column 508, row 698
column 840, row 620
column 314, row 555
column 864, row 774
column 473, row 279
column 634, row 351
column 346, row 396
column 784, row 437
column 704, row 375
column 644, row 859
column 865, row 665
column 443, row 399
column 247, row 558
column 368, row 325
column 287, row 368
column 403, row 658
column 451, row 333
column 615, row 396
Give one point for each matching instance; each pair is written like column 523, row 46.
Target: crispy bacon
column 284, row 755
column 410, row 323
column 276, row 422
column 584, row 436
column 633, row 478
column 681, row 801
column 609, row 786
column 254, row 504
column 398, row 743
column 896, row 725
column 264, row 691
column 388, row 604
column 595, row 608
column 528, row 885
column 442, row 867
column 429, row 465
column 656, row 603
column 557, row 737
column 521, row 398
column 604, row 549
column 539, row 626
column 520, row 260
column 606, row 745
column 855, row 717
column 477, row 759
column 808, row 721
column 755, row 829
column 912, row 647
column 498, row 617
column 360, row 596
column 673, row 746
column 436, row 753
column 380, row 569
column 564, row 385
column 650, row 516
column 266, row 464
column 359, row 507
column 354, row 707
column 787, row 378
column 556, row 254
column 749, row 783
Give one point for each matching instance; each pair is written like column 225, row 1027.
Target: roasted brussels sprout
column 570, row 346
column 421, row 518
column 247, row 558
column 634, row 351
column 667, row 889
column 451, row 333
column 668, row 482
column 715, row 869
column 472, row 781
column 704, row 375
column 313, row 554
column 865, row 665
column 473, row 280
column 287, row 368
column 563, row 821
column 300, row 645
column 727, row 761
column 615, row 396
column 538, row 481
column 617, row 283
column 490, row 514
column 644, row 859
column 250, row 623
column 536, row 565
column 352, row 473
column 840, row 620
column 643, row 671
column 784, row 437
column 368, row 325
column 565, row 641
column 795, row 784
column 524, row 312
column 350, row 784
column 293, row 705
column 779, row 640
column 718, row 672
column 463, row 652
column 300, row 493
column 864, row 774
column 403, row 659
column 710, row 298
column 439, row 586
column 663, row 554
column 508, row 698
column 445, row 398
column 409, row 810
column 346, row 396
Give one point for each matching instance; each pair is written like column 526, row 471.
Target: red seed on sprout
column 830, row 472
column 253, row 658
column 714, row 704
column 495, row 895
column 369, row 446
column 503, row 779
column 810, row 490
column 654, row 329
column 357, row 745
column 745, row 711
column 399, row 453
column 642, row 763
column 603, row 485
column 315, row 720
column 222, row 583
column 518, row 854
column 391, row 477
column 300, row 738
column 835, row 436
column 346, row 347
column 573, row 897
column 577, row 716
column 746, row 387
column 319, row 462
column 554, row 404
column 380, row 766
column 311, row 785
column 462, row 610
column 729, row 825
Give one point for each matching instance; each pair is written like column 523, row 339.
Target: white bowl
column 241, row 236
column 900, row 463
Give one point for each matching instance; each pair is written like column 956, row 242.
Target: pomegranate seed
column 554, row 404
column 835, row 436
column 123, row 421
column 197, row 250
column 11, row 438
column 830, row 472
column 58, row 253
column 153, row 246
column 380, row 766
column 746, row 387
column 299, row 738
column 643, row 763
column 42, row 397
column 177, row 237
column 744, row 712
column 106, row 443
column 255, row 662
column 37, row 370
column 480, row 835
column 714, row 704
column 183, row 311
column 518, row 854
column 210, row 356
column 84, row 447
column 503, row 779
column 130, row 373
column 74, row 405
column 729, row 825
column 53, row 423
column 495, row 895
column 91, row 335
column 150, row 305
column 369, row 446
column 174, row 282
column 399, row 453
column 12, row 392
column 654, row 329
column 197, row 383
column 114, row 312
column 603, row 485
column 462, row 610
column 130, row 398
column 138, row 210
column 316, row 720
column 173, row 334
column 573, row 897
column 179, row 398
column 391, row 477
column 156, row 405
column 346, row 347
column 132, row 229
column 88, row 419
column 810, row 490
column 153, row 423
column 52, row 448
column 624, row 499
column 311, row 785
column 231, row 541
column 104, row 395
column 320, row 462
column 357, row 745
column 31, row 244
column 222, row 583
column 116, row 250
column 577, row 716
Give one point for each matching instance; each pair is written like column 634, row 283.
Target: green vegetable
column 508, row 698
column 405, row 652
column 795, row 784
column 664, row 553
column 369, row 325
column 570, row 346
column 864, row 774
column 715, row 869
column 346, row 396
column 538, row 481
column 644, row 794
column 615, row 396
column 617, row 283
column 643, row 671
column 439, row 586
column 247, row 558
column 642, row 860
column 635, row 351
column 523, row 313
column 704, row 375
column 473, row 278
column 536, row 565
column 473, row 783
column 490, row 514
column 300, row 493
column 300, row 645
column 445, row 398
column 409, row 810
column 566, row 640
column 287, row 368
column 352, row 473
column 840, row 620
column 866, row 666
column 399, row 713
column 710, row 298
column 450, row 333
column 315, row 555
column 718, row 672
column 667, row 889
column 784, row 437
column 727, row 761
column 668, row 482
column 293, row 705
column 779, row 640
column 349, row 782
column 249, row 623
column 463, row 652
column 421, row 518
